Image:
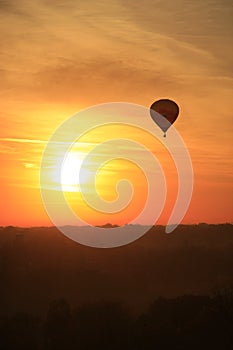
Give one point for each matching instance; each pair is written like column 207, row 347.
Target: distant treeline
column 187, row 322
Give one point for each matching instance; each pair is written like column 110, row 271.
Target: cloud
column 63, row 51
column 202, row 25
column 6, row 5
column 17, row 140
column 29, row 165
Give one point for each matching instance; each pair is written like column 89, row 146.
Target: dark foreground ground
column 160, row 292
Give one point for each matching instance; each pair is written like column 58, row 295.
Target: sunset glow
column 70, row 172
column 49, row 72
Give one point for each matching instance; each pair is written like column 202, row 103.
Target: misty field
column 162, row 290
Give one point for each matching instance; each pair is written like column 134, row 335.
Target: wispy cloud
column 17, row 140
column 154, row 46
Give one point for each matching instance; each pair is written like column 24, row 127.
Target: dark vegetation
column 160, row 292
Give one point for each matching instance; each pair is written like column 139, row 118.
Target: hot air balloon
column 169, row 111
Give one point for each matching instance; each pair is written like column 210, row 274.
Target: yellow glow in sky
column 70, row 171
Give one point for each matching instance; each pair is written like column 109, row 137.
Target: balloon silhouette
column 169, row 111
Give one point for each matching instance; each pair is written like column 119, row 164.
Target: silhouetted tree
column 102, row 326
column 20, row 332
column 57, row 330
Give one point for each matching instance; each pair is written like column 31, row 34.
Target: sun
column 70, row 172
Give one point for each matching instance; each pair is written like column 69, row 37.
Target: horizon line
column 114, row 225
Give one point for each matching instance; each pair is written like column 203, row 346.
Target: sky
column 58, row 57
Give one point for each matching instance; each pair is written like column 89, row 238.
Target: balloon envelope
column 168, row 109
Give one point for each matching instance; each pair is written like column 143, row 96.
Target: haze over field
column 39, row 265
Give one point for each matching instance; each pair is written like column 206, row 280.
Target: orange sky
column 60, row 56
